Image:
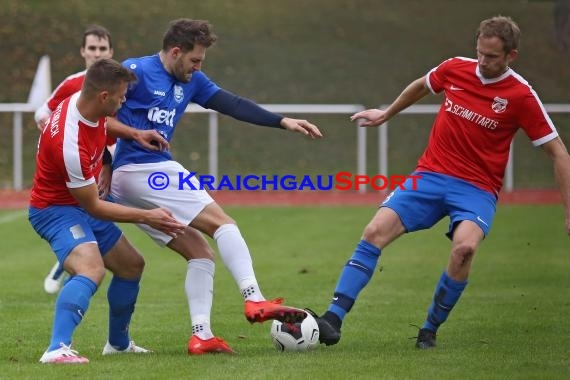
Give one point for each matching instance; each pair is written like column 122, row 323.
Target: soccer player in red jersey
column 484, row 103
column 66, row 211
column 97, row 44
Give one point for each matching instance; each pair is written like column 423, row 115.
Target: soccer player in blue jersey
column 168, row 82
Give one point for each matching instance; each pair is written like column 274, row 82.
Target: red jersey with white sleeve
column 472, row 132
column 68, row 87
column 70, row 155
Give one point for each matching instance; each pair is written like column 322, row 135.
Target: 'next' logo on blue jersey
column 156, row 115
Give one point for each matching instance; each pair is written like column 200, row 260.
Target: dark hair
column 504, row 28
column 105, row 74
column 185, row 33
column 99, row 31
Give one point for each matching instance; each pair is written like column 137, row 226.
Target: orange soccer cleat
column 272, row 309
column 215, row 345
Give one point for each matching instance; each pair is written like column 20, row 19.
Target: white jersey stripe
column 71, row 146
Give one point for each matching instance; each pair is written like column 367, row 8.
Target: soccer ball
column 300, row 336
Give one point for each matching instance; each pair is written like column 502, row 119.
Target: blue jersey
column 157, row 100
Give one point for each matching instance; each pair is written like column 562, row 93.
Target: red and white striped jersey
column 70, row 153
column 472, row 133
column 68, row 87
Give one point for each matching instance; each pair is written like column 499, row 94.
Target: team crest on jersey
column 178, row 93
column 499, row 105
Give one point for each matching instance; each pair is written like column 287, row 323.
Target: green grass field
column 512, row 322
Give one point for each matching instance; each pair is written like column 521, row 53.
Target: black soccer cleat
column 426, row 339
column 329, row 334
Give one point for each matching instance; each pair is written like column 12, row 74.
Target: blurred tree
column 562, row 24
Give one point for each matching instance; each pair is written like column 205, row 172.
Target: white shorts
column 131, row 186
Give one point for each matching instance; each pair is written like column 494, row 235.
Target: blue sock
column 447, row 293
column 122, row 296
column 70, row 307
column 356, row 273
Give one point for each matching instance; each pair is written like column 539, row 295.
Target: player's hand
column 41, row 124
column 104, row 182
column 370, row 118
column 162, row 220
column 301, row 126
column 151, row 140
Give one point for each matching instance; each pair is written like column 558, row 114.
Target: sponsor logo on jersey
column 178, row 93
column 158, row 116
column 472, row 116
column 159, row 93
column 54, row 121
column 499, row 104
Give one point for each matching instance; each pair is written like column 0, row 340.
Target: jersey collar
column 486, row 81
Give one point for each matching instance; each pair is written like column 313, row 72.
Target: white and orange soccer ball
column 300, row 336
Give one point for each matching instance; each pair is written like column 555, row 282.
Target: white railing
column 424, row 109
column 19, row 108
column 348, row 109
column 17, row 127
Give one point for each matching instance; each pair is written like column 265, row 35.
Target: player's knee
column 463, row 253
column 208, row 253
column 373, row 233
column 94, row 273
column 136, row 266
column 130, row 267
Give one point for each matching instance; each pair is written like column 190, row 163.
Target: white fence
column 19, row 108
column 348, row 109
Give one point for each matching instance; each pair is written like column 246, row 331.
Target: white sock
column 199, row 286
column 235, row 256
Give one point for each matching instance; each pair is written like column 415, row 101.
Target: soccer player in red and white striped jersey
column 97, row 44
column 67, row 212
column 485, row 102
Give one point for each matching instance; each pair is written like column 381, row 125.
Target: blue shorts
column 65, row 227
column 436, row 196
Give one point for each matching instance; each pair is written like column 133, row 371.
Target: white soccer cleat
column 54, row 279
column 132, row 349
column 63, row 355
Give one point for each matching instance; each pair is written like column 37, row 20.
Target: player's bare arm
column 41, row 123
column 159, row 218
column 411, row 94
column 301, row 126
column 149, row 139
column 561, row 161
